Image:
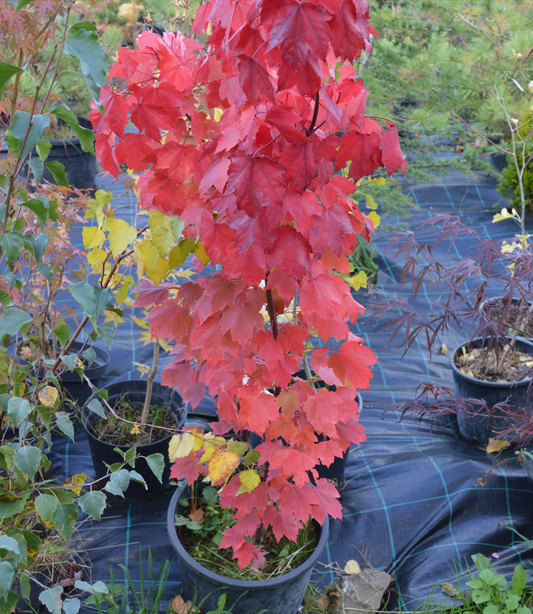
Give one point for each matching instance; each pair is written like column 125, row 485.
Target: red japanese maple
column 241, row 139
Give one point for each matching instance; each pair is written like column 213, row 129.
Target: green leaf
column 63, row 333
column 11, row 243
column 10, row 507
column 156, row 462
column 107, row 332
column 58, row 172
column 492, row 608
column 481, row 562
column 6, row 72
column 38, row 207
column 45, row 271
column 512, row 601
column 6, row 577
column 64, row 424
column 28, row 459
column 71, row 606
column 19, row 128
column 480, row 596
column 97, row 587
column 84, row 45
column 12, row 321
column 130, row 455
column 253, row 456
column 64, row 519
column 82, row 25
column 18, row 410
column 70, row 361
column 85, row 135
column 90, row 355
column 41, row 241
column 221, row 602
column 93, row 503
column 118, row 482
column 51, row 598
column 37, row 168
column 93, row 299
column 43, row 149
column 137, row 477
column 10, row 544
column 22, row 3
column 95, row 406
column 518, row 583
column 46, row 506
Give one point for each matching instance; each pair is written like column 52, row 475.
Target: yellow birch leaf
column 221, row 465
column 121, row 234
column 180, row 446
column 179, row 254
column 211, row 443
column 370, row 202
column 137, row 256
column 96, row 258
column 162, row 236
column 249, row 480
column 92, row 237
column 149, row 255
column 352, row 567
column 496, row 445
column 375, row 218
column 75, row 483
column 48, row 396
column 200, row 253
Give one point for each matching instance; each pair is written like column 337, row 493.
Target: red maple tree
column 242, row 139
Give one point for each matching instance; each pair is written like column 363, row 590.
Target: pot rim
column 86, row 412
column 308, row 564
column 457, row 372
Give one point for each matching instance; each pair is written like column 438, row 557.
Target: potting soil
column 418, row 501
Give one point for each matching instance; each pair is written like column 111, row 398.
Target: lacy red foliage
column 242, row 139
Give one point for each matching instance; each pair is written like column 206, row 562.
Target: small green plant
column 491, row 592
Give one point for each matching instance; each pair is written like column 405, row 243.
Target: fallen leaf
column 197, row 514
column 496, row 445
column 495, row 555
column 444, row 349
column 352, row 567
column 135, row 430
column 182, row 607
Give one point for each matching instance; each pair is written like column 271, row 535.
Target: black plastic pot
column 76, row 390
column 282, row 595
column 480, row 428
column 335, row 471
column 80, row 166
column 103, row 453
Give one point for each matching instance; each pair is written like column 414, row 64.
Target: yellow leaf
column 218, row 113
column 121, row 234
column 143, row 369
column 444, row 349
column 200, row 253
column 96, row 258
column 179, row 254
column 221, row 465
column 375, row 218
column 135, row 430
column 211, row 443
column 140, row 322
column 48, row 396
column 496, row 445
column 370, row 202
column 352, row 567
column 75, row 483
column 249, row 480
column 162, row 236
column 180, row 446
column 92, row 237
column 112, row 316
column 358, row 280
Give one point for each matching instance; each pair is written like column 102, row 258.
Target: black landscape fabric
column 413, row 503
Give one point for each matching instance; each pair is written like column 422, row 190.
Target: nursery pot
column 77, row 390
column 103, row 453
column 480, row 428
column 80, row 166
column 282, row 595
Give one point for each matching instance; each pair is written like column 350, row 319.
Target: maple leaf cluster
column 242, row 139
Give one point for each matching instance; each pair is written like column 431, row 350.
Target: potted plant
column 247, row 163
column 493, row 290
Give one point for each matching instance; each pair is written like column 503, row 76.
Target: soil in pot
column 281, row 595
column 104, row 454
column 200, row 527
column 485, row 364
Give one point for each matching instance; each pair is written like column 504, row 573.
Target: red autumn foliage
column 241, row 139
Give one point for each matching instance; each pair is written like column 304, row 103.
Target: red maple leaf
column 241, row 320
column 255, row 81
column 256, row 181
column 291, row 252
column 115, row 110
column 328, row 503
column 105, row 153
column 391, row 151
column 329, row 230
column 301, row 499
column 287, row 122
column 133, row 149
column 350, row 29
column 299, row 160
column 362, row 150
column 352, row 363
column 150, row 294
column 169, row 321
column 188, row 468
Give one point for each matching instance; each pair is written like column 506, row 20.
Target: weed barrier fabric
column 414, row 505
